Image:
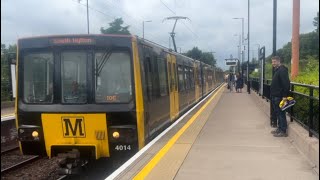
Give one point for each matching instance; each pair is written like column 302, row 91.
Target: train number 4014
column 123, row 147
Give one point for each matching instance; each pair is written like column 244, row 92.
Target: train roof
column 76, row 35
column 164, row 48
column 145, row 41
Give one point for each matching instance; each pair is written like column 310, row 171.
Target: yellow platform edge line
column 155, row 160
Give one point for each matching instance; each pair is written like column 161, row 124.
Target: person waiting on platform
column 239, row 83
column 279, row 90
column 231, row 82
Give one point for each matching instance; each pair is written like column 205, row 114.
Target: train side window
column 191, row 77
column 162, row 77
column 181, row 78
column 210, row 77
column 187, row 77
column 196, row 75
column 170, row 76
column 148, row 76
column 199, row 74
column 175, row 77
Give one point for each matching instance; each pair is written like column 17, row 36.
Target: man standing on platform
column 279, row 90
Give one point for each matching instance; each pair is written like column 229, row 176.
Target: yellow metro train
column 102, row 95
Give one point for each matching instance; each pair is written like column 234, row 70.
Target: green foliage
column 255, row 74
column 308, row 60
column 309, row 45
column 206, row 57
column 5, row 70
column 309, row 72
column 115, row 28
column 194, row 53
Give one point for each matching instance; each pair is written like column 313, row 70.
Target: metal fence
column 306, row 109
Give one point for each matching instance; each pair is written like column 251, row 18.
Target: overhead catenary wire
column 111, row 17
column 154, row 35
column 197, row 37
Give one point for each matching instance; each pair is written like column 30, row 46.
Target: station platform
column 226, row 138
column 8, row 111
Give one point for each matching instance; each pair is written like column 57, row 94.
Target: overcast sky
column 211, row 27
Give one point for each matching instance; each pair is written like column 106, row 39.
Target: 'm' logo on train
column 73, row 127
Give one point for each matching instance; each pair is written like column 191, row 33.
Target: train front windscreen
column 74, row 72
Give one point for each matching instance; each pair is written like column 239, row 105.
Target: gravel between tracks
column 38, row 170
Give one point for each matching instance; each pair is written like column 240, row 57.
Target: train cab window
column 181, row 78
column 74, row 77
column 112, row 77
column 38, row 78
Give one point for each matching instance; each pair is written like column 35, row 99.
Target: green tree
column 208, row 58
column 5, row 70
column 115, row 28
column 194, row 53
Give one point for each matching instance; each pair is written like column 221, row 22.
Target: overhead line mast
column 172, row 34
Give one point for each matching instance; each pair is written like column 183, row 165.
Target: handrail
column 305, row 115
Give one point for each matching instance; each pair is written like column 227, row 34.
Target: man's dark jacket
column 280, row 84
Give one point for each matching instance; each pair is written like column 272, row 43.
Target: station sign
column 231, row 62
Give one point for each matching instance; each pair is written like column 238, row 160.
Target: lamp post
column 248, row 86
column 143, row 27
column 239, row 49
column 242, row 42
column 242, row 20
column 87, row 14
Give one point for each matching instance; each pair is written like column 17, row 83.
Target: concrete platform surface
column 236, row 143
column 229, row 140
column 7, row 111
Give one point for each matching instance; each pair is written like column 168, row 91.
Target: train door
column 173, row 86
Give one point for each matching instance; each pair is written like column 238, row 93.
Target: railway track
column 8, row 134
column 19, row 165
column 7, row 150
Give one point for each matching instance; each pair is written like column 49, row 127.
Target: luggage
column 286, row 104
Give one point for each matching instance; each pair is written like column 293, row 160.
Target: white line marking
column 144, row 149
column 8, row 118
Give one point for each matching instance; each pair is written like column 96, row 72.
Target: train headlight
column 115, row 135
column 35, row 134
column 29, row 133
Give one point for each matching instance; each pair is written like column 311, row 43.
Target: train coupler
column 70, row 162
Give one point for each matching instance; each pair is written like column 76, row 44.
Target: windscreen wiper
column 104, row 58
